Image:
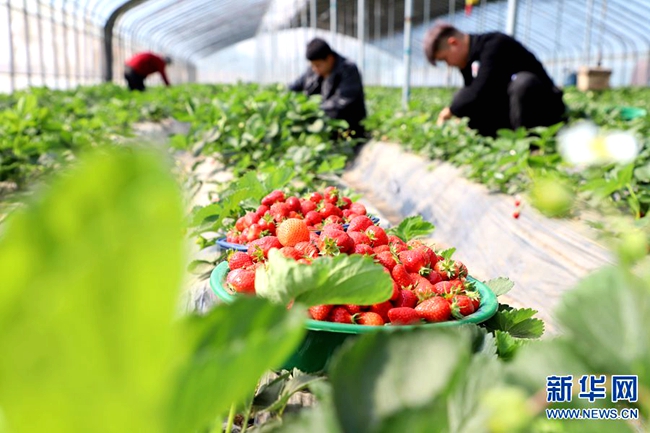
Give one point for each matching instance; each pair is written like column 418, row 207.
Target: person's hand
column 444, row 115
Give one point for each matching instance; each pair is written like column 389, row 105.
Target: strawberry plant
column 510, row 162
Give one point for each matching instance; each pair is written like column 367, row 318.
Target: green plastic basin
column 631, row 113
column 323, row 338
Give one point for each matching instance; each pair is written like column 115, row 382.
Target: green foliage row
column 511, row 162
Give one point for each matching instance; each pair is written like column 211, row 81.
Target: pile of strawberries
column 316, row 210
column 426, row 286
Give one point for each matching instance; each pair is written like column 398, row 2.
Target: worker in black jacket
column 505, row 85
column 338, row 81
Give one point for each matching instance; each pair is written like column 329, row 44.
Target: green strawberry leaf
column 275, row 398
column 320, row 418
column 500, row 286
column 269, row 393
column 277, row 178
column 517, row 322
column 507, row 345
column 394, row 388
column 91, row 272
column 411, row 228
column 618, row 341
column 229, row 355
column 446, row 254
column 344, row 279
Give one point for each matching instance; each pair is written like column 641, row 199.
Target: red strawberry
column 312, row 218
column 434, row 277
column 259, row 249
column 239, row 224
column 353, row 309
column 292, row 231
column 363, row 249
column 516, row 214
column 414, row 261
column 368, row 318
column 450, row 269
column 331, row 194
column 340, row 315
column 348, row 215
column 358, row 208
column 401, row 276
column 333, row 242
column 406, row 298
column 344, row 203
column 329, row 209
column 253, row 232
column 386, row 259
column 320, row 312
column 445, row 288
column 333, row 226
column 360, row 224
column 307, row 249
column 475, row 297
column 359, row 238
column 262, row 209
column 381, row 249
column 273, row 197
column 430, row 255
column 251, row 218
column 307, row 206
column 232, row 236
column 239, row 259
column 403, row 316
column 333, row 219
column 241, row 280
column 396, row 290
column 377, row 235
column 423, row 288
column 279, row 211
column 293, row 203
column 461, row 306
column 382, row 309
column 315, row 197
column 395, row 240
column 291, row 253
column 434, row 309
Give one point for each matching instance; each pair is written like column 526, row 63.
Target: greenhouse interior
column 325, row 216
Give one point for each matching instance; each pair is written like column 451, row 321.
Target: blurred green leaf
column 90, row 278
column 386, row 382
column 344, row 279
column 610, row 310
column 232, row 346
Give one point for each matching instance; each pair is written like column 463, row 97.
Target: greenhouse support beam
column 108, row 36
column 511, row 22
column 12, row 59
column 333, row 13
column 406, row 89
column 361, row 32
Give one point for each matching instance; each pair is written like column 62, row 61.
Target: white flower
column 585, row 144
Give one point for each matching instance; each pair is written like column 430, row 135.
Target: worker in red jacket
column 141, row 65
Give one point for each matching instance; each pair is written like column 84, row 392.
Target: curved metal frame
column 108, row 35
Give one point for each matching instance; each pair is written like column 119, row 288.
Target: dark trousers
column 529, row 102
column 134, row 80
